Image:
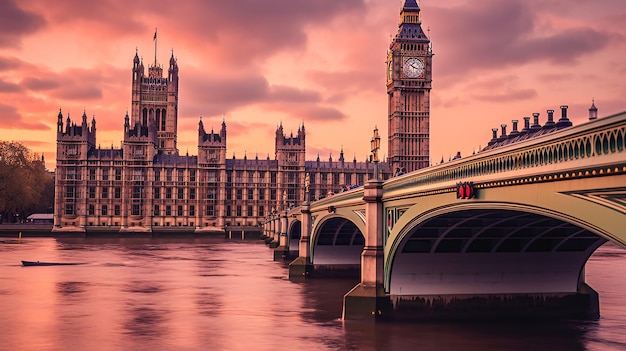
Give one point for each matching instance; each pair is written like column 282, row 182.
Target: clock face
column 413, row 67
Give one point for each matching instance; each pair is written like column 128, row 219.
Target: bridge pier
column 302, row 267
column 281, row 247
column 368, row 300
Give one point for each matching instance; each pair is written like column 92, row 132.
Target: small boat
column 38, row 263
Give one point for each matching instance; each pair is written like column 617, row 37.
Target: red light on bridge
column 465, row 190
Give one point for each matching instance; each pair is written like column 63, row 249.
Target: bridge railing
column 595, row 148
column 590, row 149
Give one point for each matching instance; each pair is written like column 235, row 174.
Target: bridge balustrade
column 588, row 141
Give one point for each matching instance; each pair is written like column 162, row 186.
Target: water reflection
column 198, row 294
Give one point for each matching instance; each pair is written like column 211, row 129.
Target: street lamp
column 375, row 146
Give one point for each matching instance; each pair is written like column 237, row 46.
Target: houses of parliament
column 146, row 185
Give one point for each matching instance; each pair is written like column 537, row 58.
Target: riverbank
column 45, row 230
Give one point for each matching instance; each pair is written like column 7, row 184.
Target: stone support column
column 302, row 266
column 281, row 247
column 368, row 300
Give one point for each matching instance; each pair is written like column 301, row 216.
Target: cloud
column 10, row 118
column 15, row 23
column 508, row 95
column 7, row 87
column 492, row 34
column 9, row 63
column 40, row 84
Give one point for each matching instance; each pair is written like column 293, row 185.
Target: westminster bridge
column 506, row 231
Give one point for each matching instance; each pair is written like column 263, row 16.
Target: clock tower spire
column 409, row 78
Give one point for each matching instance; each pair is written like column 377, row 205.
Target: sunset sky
column 257, row 64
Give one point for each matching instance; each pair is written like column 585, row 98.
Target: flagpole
column 155, row 47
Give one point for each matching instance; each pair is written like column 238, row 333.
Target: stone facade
column 146, row 185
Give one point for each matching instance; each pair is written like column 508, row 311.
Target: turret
column 59, row 122
column 593, row 111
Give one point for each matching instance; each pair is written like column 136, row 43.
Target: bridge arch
column 458, row 250
column 495, row 245
column 293, row 234
column 336, row 240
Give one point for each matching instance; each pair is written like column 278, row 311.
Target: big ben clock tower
column 409, row 78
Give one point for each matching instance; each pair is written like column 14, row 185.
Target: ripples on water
column 200, row 294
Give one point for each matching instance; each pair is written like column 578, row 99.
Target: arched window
column 158, row 119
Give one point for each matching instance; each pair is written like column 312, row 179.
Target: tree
column 25, row 185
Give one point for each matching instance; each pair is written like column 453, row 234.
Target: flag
column 154, row 35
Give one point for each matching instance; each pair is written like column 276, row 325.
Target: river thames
column 216, row 294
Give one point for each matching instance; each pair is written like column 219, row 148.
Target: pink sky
column 259, row 63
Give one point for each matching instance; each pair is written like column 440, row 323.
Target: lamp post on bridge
column 375, row 146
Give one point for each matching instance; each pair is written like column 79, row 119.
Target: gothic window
column 69, row 209
column 135, row 210
column 145, row 114
column 249, row 211
column 273, row 177
column 261, row 177
column 168, row 175
column 157, row 193
column 158, row 119
column 137, row 192
column 192, row 175
column 72, row 151
column 181, row 175
column 261, row 194
column 70, row 192
column 168, row 193
column 228, row 211
column 250, row 194
column 118, row 174
column 157, row 210
column 181, row 193
column 192, row 210
column 192, row 193
column 162, row 120
column 168, row 210
column 92, row 210
column 180, row 210
column 104, row 210
column 250, row 177
column 238, row 213
column 261, row 211
column 105, row 174
column 138, row 175
column 105, row 193
column 92, row 174
column 335, row 178
column 239, row 194
column 118, row 193
column 273, row 194
column 157, row 175
column 117, row 210
column 210, row 210
column 212, row 177
column 92, row 192
column 210, row 193
column 71, row 174
column 324, row 177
